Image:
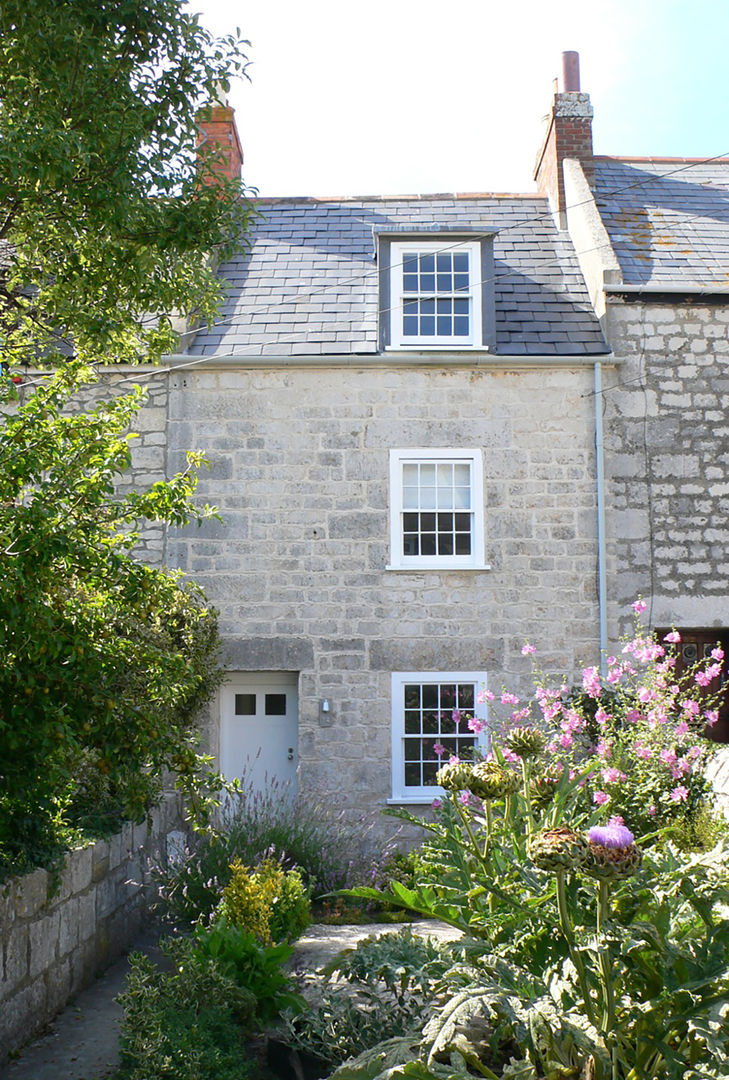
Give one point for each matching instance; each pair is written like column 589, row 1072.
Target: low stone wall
column 58, row 933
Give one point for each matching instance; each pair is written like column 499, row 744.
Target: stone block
column 58, row 986
column 99, row 861
column 30, row 893
column 22, row 1016
column 15, row 959
column 77, row 871
column 68, row 933
column 87, row 915
column 43, row 943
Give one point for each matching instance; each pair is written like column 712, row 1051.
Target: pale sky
column 414, row 96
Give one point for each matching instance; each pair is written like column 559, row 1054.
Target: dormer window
column 436, row 289
column 436, row 294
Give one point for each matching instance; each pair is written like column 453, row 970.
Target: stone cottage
column 398, row 407
column 652, row 239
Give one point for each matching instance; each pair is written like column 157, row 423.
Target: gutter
column 673, row 290
column 387, row 360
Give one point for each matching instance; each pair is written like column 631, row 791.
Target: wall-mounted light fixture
column 326, row 716
column 325, row 705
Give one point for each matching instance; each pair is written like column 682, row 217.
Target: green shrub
column 189, row 1024
column 392, row 978
column 254, row 967
column 269, row 902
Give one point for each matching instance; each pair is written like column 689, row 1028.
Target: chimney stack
column 569, row 135
column 217, row 129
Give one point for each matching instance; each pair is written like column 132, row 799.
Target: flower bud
column 490, row 780
column 613, row 855
column 543, row 787
column 560, row 849
column 525, row 741
column 455, row 776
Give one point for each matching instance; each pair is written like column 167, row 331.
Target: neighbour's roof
column 667, row 218
column 309, row 284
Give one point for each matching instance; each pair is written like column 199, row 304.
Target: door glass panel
column 245, row 704
column 275, row 704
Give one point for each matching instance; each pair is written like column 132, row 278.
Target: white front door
column 259, row 729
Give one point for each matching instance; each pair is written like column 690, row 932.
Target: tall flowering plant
column 595, row 946
column 641, row 728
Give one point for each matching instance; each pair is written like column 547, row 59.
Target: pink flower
column 613, row 776
column 600, row 798
column 679, row 794
column 639, row 606
column 604, row 748
column 601, row 717
column 652, row 810
column 436, row 804
column 633, row 716
column 668, row 757
column 591, row 682
column 475, row 725
column 613, row 675
column 485, row 695
column 646, row 694
column 566, row 741
column 682, row 731
column 527, row 650
column 718, row 653
column 464, row 797
column 454, row 760
column 643, row 752
column 673, row 638
column 612, row 661
column 691, row 708
column 616, row 819
column 703, row 678
column 509, row 699
column 456, row 716
column 439, row 749
column 510, row 756
column 711, row 716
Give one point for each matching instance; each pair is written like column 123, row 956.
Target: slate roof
column 309, row 284
column 667, row 218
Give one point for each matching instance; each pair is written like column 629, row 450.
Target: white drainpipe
column 601, row 559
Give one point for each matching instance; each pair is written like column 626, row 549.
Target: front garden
column 581, row 860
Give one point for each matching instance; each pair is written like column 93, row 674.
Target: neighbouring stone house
column 652, row 238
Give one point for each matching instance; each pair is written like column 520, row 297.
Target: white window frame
column 398, row 250
column 424, row 794
column 400, row 561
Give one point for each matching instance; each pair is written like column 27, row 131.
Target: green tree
column 110, row 224
column 110, row 214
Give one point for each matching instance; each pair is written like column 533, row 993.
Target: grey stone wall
column 149, row 445
column 667, row 460
column 299, row 468
column 58, row 933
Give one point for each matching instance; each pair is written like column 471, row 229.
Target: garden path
column 82, row 1043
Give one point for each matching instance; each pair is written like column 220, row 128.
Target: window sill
column 417, row 800
column 443, row 567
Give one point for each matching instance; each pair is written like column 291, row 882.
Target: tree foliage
column 108, row 215
column 104, row 661
column 110, row 224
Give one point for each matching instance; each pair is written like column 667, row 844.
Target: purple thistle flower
column 612, row 836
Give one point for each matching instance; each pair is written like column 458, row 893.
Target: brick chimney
column 217, row 129
column 569, row 135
